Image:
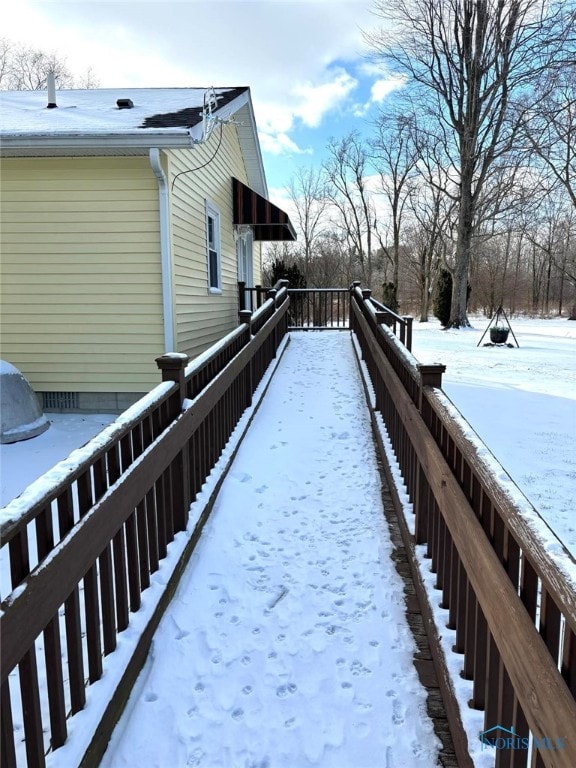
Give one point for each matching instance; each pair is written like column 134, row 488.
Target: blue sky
column 304, row 60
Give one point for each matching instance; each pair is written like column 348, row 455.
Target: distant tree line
column 470, row 167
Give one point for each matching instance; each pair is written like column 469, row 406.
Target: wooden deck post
column 241, row 295
column 431, row 376
column 172, row 365
column 408, row 325
column 246, row 317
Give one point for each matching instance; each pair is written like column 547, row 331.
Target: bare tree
column 550, row 125
column 24, row 68
column 308, row 196
column 395, row 155
column 467, row 60
column 346, row 172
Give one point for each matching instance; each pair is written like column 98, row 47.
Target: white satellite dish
column 208, row 119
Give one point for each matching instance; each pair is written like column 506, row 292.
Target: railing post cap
column 245, row 316
column 431, row 367
column 172, row 361
column 366, row 293
column 431, row 374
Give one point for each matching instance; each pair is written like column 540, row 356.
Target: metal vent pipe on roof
column 51, row 84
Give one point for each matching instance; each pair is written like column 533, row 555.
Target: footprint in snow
column 150, row 697
column 397, row 709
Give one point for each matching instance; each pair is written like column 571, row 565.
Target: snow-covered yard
column 521, row 402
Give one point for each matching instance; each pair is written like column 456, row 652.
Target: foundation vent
column 56, row 401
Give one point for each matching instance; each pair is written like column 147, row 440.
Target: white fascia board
column 109, row 143
column 256, row 152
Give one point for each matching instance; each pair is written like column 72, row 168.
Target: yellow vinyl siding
column 81, row 293
column 203, row 317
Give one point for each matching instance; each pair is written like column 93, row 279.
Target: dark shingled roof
column 186, row 118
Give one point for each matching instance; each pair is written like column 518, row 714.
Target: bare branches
column 467, row 62
column 24, row 68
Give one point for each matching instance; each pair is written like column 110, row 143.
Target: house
column 127, row 218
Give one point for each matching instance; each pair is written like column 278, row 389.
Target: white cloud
column 306, row 103
column 280, row 143
column 382, row 87
column 317, row 100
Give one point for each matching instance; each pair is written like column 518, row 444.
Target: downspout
column 165, row 260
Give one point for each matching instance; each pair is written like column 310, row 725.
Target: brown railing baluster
column 143, row 545
column 454, row 586
column 108, row 601
column 492, row 687
column 152, row 527
column 52, row 647
column 529, row 587
column 459, row 645
column 29, row 691
column 72, row 614
column 133, row 564
column 161, row 516
column 27, row 669
column 120, row 581
column 7, row 748
column 470, row 634
column 91, row 598
column 480, row 655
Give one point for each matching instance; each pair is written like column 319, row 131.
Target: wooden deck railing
column 511, row 602
column 313, row 309
column 251, row 297
column 81, row 554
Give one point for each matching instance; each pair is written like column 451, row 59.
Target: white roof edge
column 10, row 145
column 257, row 148
column 140, row 138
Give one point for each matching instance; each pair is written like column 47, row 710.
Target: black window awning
column 268, row 222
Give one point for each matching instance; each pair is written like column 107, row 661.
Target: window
column 213, row 249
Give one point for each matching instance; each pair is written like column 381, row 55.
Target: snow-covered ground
column 522, row 403
column 23, row 462
column 297, row 617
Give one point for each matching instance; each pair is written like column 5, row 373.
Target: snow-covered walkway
column 286, row 643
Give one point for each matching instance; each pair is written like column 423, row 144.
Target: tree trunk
column 458, row 316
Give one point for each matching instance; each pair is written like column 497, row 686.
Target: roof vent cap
column 51, row 85
column 125, row 103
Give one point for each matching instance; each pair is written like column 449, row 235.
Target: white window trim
column 213, row 212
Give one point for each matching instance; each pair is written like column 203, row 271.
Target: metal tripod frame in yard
column 495, row 319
